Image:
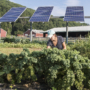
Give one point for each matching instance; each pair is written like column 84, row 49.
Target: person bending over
column 55, row 41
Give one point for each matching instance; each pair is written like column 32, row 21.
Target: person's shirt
column 59, row 43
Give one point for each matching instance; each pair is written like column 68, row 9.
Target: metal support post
column 30, row 31
column 0, row 32
column 67, row 32
column 12, row 32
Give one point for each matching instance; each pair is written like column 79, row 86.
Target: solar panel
column 75, row 13
column 13, row 14
column 42, row 14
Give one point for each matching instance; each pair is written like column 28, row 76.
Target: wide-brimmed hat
column 50, row 33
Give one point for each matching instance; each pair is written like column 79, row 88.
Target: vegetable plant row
column 61, row 69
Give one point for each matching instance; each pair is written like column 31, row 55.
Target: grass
column 7, row 51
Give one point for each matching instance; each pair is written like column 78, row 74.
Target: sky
column 59, row 6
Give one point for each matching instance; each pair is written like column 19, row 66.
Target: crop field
column 25, row 62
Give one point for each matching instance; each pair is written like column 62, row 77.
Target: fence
column 70, row 39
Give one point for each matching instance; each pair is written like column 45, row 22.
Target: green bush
column 23, row 41
column 61, row 69
column 83, row 46
column 17, row 67
column 9, row 40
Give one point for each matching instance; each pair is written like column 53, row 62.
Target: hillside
column 21, row 25
column 6, row 5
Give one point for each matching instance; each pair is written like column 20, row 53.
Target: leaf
column 1, row 73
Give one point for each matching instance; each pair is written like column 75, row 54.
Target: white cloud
column 57, row 11
column 35, row 8
column 60, row 11
column 72, row 3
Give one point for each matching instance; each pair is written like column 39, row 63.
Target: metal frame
column 50, row 17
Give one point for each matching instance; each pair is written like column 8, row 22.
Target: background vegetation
column 21, row 25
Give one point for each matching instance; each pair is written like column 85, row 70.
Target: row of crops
column 21, row 40
column 61, row 69
column 21, row 43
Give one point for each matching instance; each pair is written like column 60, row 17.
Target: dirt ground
column 27, row 86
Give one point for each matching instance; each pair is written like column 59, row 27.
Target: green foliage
column 21, row 43
column 61, row 69
column 17, row 67
column 16, row 40
column 83, row 46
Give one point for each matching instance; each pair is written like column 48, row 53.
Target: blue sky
column 59, row 5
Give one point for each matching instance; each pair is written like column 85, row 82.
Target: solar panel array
column 75, row 13
column 13, row 14
column 42, row 14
